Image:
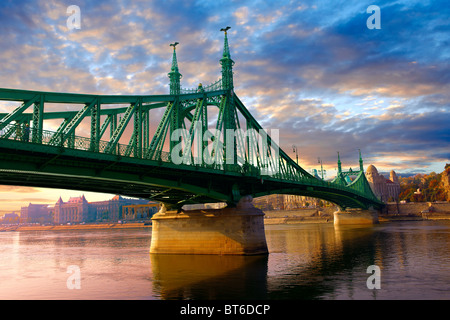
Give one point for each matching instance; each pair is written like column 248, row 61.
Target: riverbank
column 325, row 215
column 75, row 227
column 272, row 217
column 307, row 215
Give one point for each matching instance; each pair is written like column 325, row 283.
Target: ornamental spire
column 361, row 167
column 226, row 49
column 339, row 164
column 227, row 63
column 174, row 74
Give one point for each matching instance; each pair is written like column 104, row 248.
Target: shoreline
column 86, row 226
column 271, row 218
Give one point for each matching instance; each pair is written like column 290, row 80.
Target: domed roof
column 393, row 176
column 372, row 169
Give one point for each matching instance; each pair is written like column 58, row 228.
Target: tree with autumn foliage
column 424, row 187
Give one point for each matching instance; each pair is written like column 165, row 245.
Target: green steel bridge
column 106, row 144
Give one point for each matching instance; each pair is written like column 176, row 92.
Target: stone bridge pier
column 228, row 231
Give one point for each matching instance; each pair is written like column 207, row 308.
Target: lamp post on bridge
column 295, row 150
column 321, row 166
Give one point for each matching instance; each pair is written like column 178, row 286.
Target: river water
column 306, row 261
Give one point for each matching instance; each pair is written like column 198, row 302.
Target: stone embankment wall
column 305, row 215
column 290, row 213
column 416, row 208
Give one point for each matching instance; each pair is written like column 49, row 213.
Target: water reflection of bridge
column 295, row 268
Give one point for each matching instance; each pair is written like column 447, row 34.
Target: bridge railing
column 19, row 132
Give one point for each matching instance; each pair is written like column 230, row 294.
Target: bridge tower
column 361, row 167
column 237, row 229
column 360, row 216
column 229, row 120
column 175, row 90
column 339, row 164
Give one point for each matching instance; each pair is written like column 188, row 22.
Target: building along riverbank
column 394, row 212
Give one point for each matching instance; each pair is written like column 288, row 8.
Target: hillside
column 426, row 187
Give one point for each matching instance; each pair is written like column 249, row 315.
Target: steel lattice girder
column 127, row 176
column 291, row 179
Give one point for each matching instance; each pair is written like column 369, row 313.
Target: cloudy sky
column 312, row 69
